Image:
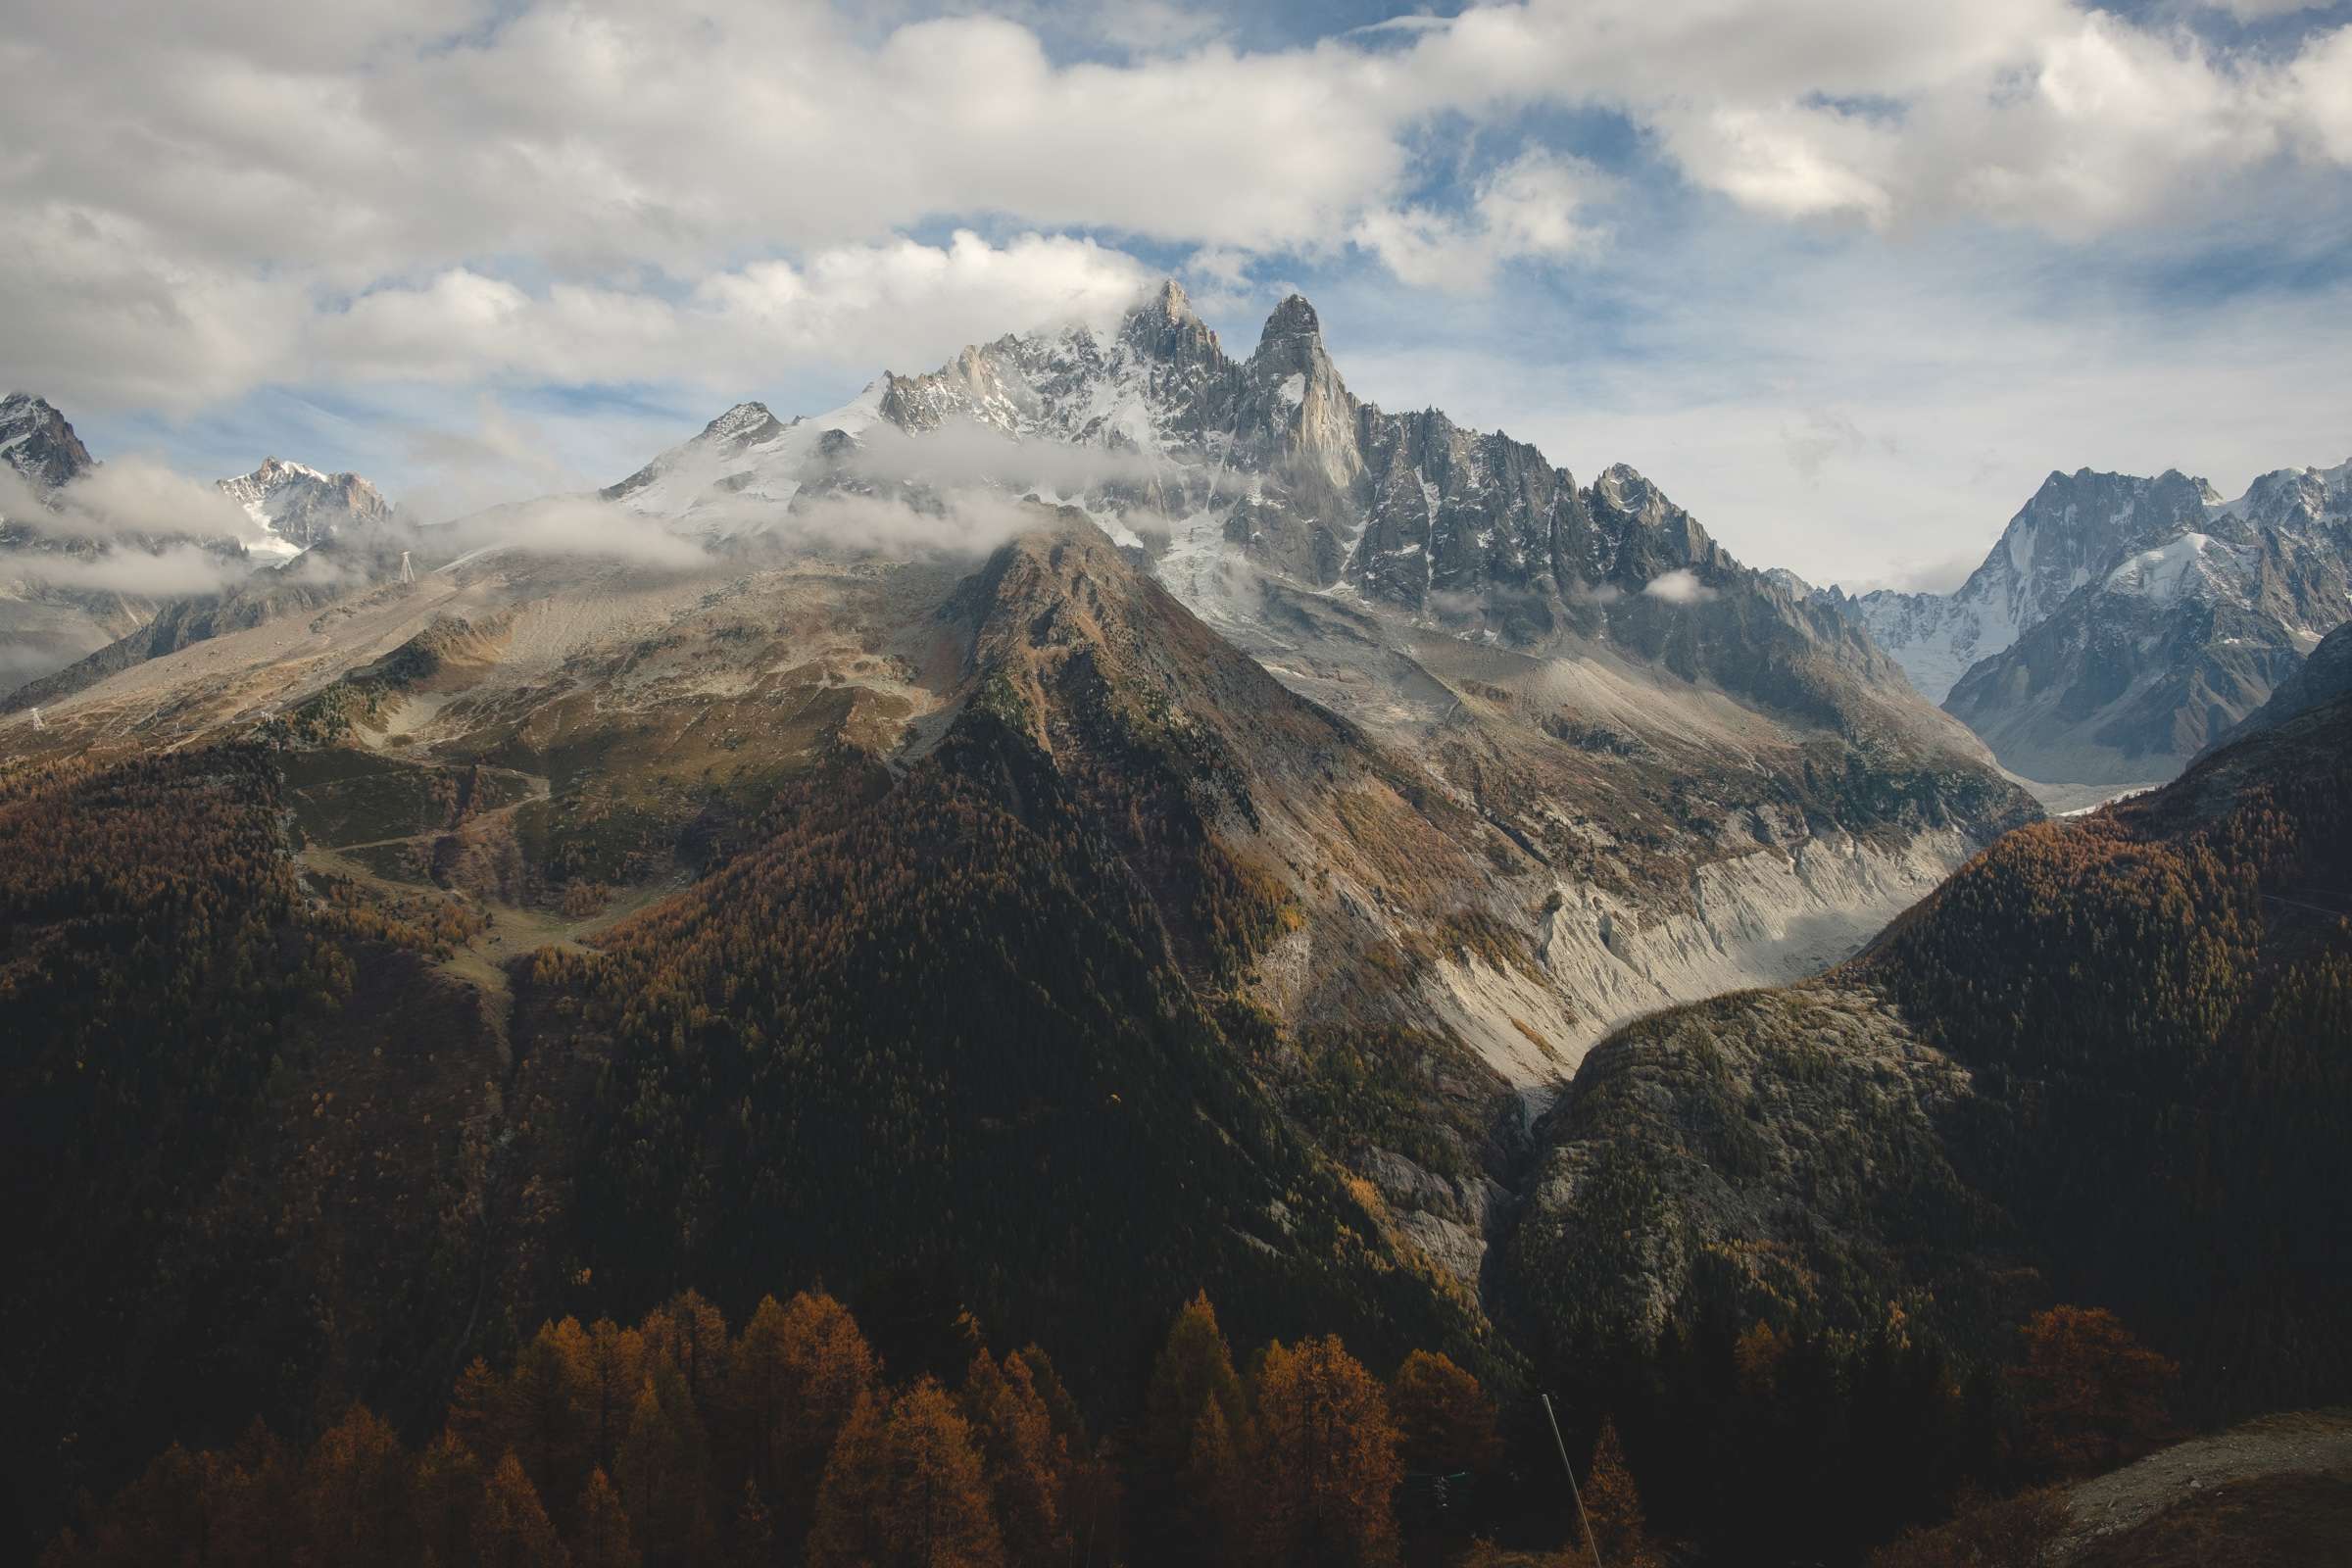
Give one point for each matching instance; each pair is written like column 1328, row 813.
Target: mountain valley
column 1108, row 820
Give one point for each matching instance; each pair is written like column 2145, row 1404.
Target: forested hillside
column 969, row 1033
column 2109, row 1061
column 795, row 1439
column 965, row 1032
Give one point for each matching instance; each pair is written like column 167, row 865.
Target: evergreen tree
column 601, row 1539
column 355, row 1500
column 2093, row 1396
column 752, row 1541
column 1178, row 1492
column 800, row 1369
column 690, row 1334
column 479, row 1415
column 616, row 1372
column 1613, row 1503
column 448, row 1494
column 547, row 1398
column 1027, row 1465
column 665, row 1475
column 511, row 1529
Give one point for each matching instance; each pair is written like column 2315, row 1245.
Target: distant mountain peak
column 39, row 443
column 1293, row 317
column 296, row 506
column 741, row 418
column 1172, row 302
column 2122, row 621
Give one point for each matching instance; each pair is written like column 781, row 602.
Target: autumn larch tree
column 1613, row 1503
column 1445, row 1421
column 665, row 1470
column 512, row 1529
column 1178, row 1490
column 2092, row 1395
column 1027, row 1465
column 1326, row 1468
column 601, row 1539
column 356, row 1493
column 447, row 1492
column 905, row 1490
column 799, row 1370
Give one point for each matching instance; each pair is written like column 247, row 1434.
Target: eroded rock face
column 1785, row 1133
column 2124, row 1003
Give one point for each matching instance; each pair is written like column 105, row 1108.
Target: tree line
column 680, row 1441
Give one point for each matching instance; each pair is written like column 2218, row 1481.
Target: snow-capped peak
column 2169, row 570
column 39, row 444
column 744, row 468
column 294, row 506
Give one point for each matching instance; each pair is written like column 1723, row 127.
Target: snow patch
column 2167, row 572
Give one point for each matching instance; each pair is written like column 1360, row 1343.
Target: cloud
column 963, row 456
column 141, row 495
column 1679, row 587
column 131, row 498
column 596, row 191
column 177, row 571
column 572, row 527
column 2263, row 10
column 965, row 524
column 1523, row 209
column 868, row 305
column 1927, row 577
column 962, row 521
column 1828, row 433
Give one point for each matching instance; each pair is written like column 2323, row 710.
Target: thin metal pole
column 1561, row 1444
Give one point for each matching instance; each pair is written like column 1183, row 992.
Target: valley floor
column 2069, row 800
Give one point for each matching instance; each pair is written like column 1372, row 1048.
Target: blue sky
column 1848, row 279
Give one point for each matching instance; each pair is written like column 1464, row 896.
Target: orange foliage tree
column 1445, row 1421
column 906, row 1489
column 1326, row 1468
column 2094, row 1397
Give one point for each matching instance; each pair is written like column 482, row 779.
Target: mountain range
column 1106, row 819
column 73, row 585
column 2122, row 624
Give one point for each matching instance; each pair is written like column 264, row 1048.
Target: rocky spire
column 1293, row 317
column 1165, row 326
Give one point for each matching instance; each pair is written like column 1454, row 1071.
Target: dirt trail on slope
column 2306, row 1441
